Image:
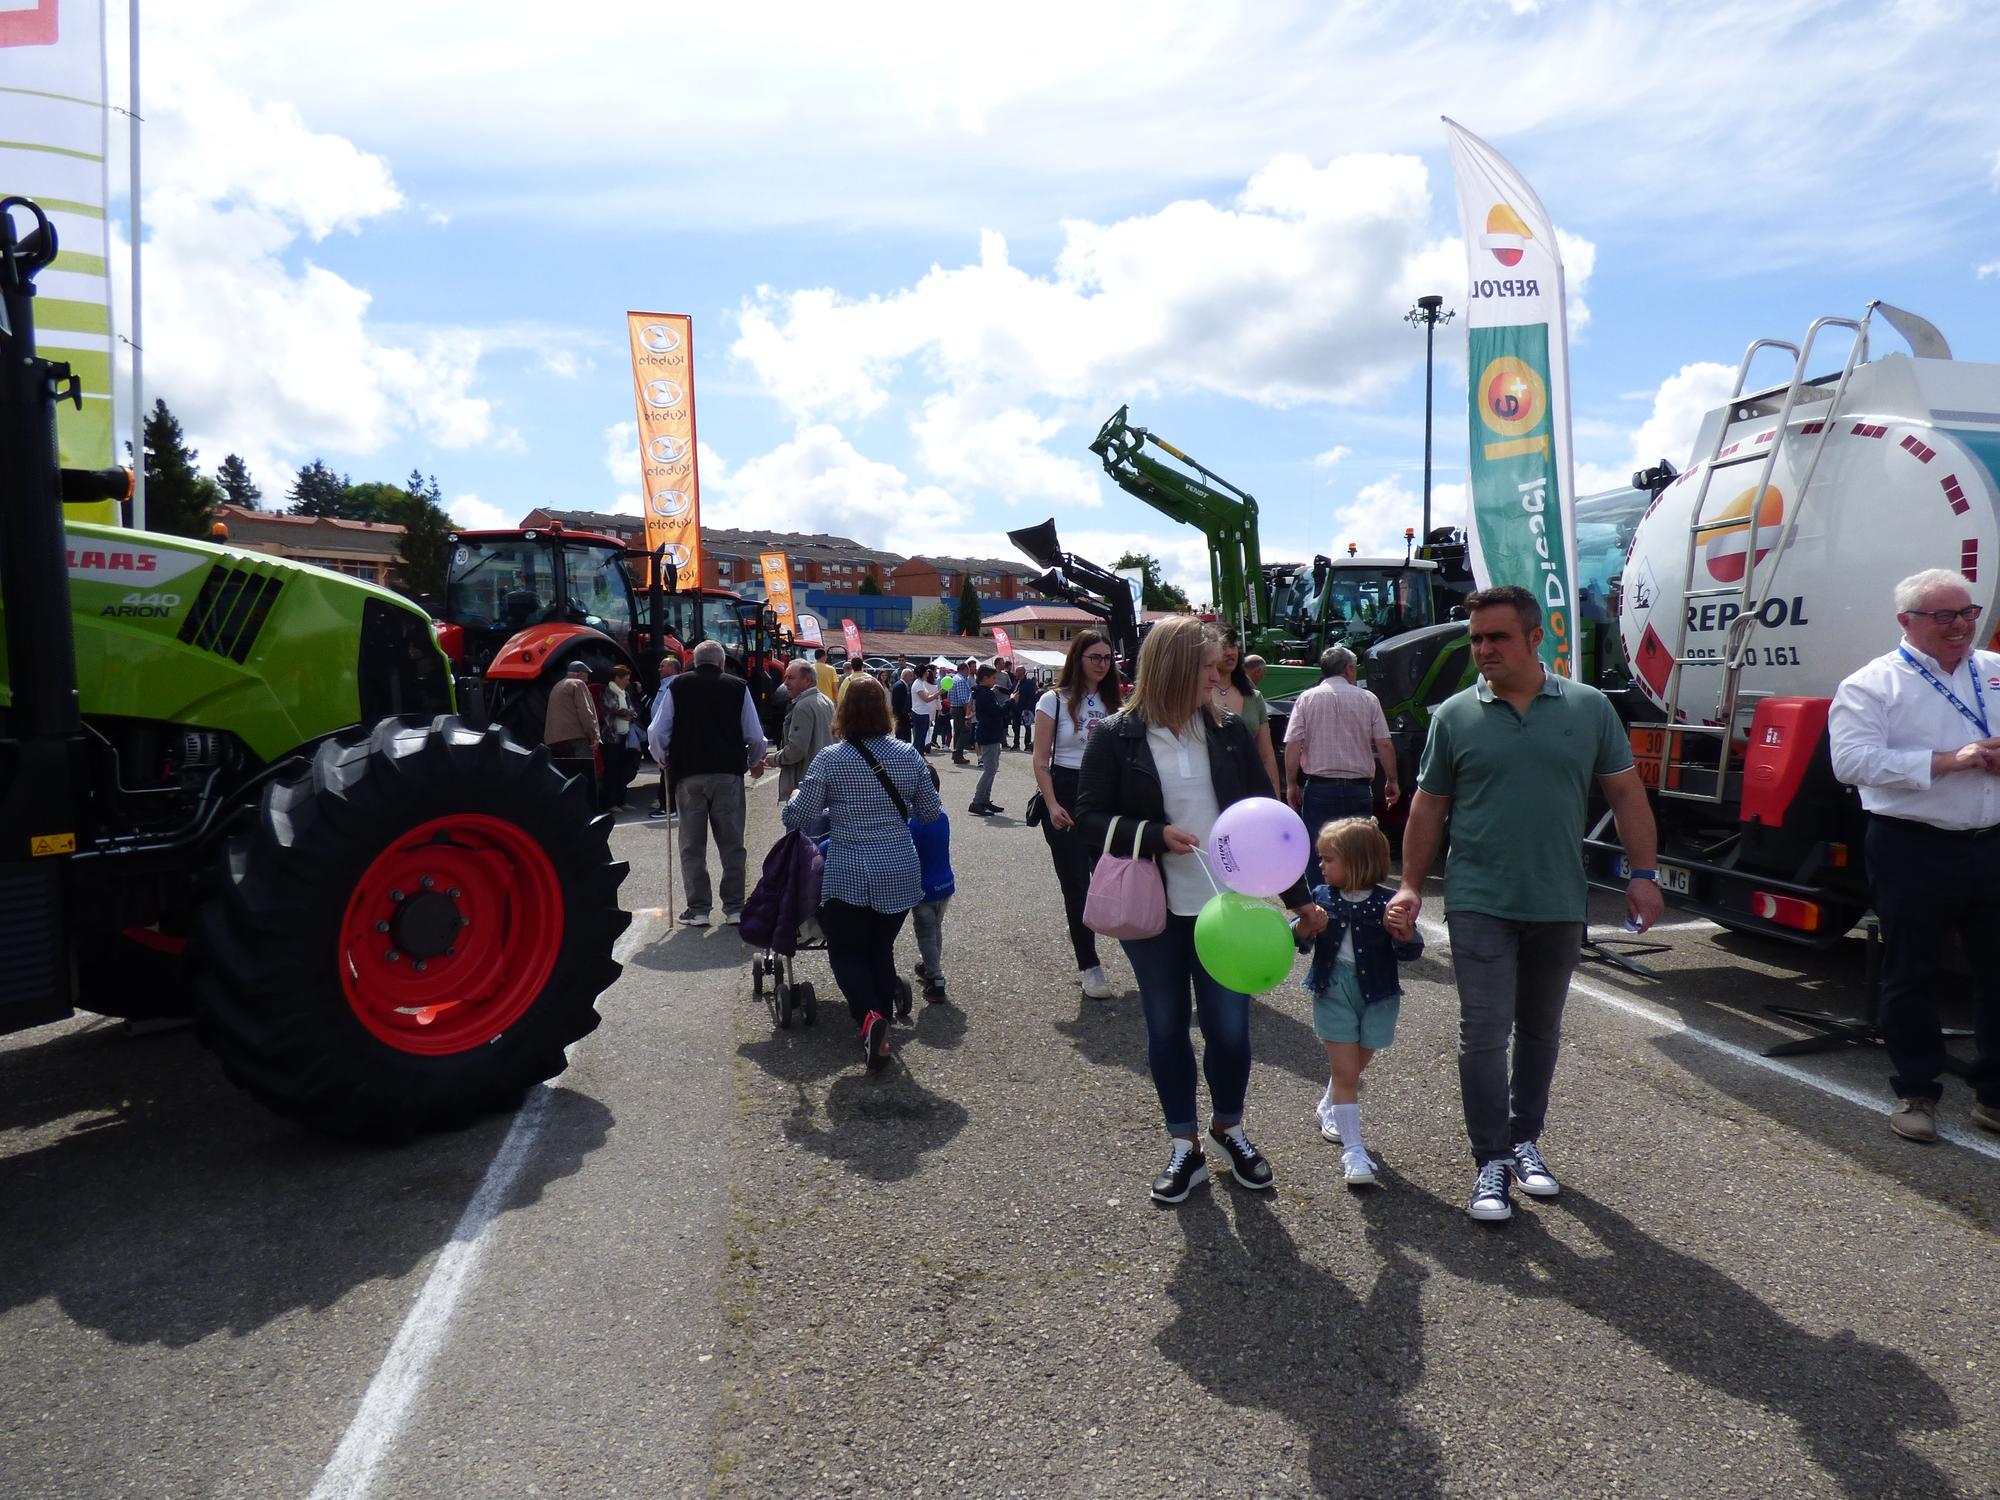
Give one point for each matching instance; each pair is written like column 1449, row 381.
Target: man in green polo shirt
column 1511, row 759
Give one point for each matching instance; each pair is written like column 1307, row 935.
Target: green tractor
column 234, row 788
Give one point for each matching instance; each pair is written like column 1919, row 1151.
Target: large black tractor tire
column 414, row 929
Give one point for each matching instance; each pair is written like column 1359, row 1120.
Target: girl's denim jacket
column 1376, row 953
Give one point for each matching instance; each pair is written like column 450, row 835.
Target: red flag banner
column 1001, row 645
column 852, row 633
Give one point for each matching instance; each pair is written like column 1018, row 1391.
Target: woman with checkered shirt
column 872, row 875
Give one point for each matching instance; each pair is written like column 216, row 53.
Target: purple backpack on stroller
column 787, row 894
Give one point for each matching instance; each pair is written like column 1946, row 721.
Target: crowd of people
column 1142, row 773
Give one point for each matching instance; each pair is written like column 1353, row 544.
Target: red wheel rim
column 450, row 935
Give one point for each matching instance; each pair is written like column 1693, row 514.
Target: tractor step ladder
column 1750, row 601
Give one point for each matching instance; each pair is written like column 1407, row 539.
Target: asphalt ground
column 718, row 1258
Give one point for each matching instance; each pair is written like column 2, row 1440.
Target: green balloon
column 1244, row 943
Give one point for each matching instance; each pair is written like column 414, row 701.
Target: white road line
column 1783, row 1067
column 393, row 1393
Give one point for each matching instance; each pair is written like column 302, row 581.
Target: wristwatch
column 1652, row 875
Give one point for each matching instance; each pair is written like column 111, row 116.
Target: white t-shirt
column 1189, row 793
column 1070, row 739
column 1346, row 954
column 924, row 698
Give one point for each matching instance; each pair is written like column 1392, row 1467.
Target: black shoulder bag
column 883, row 777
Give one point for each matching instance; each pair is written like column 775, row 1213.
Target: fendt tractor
column 233, row 787
column 520, row 606
column 1765, row 574
column 1287, row 612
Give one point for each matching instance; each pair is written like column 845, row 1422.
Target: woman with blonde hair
column 1155, row 778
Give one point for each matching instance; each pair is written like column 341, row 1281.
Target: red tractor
column 520, row 606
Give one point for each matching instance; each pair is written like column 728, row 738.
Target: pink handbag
column 1127, row 897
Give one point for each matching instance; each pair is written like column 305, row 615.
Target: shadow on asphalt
column 1112, row 1034
column 694, row 950
column 877, row 1125
column 1944, row 1174
column 174, row 1207
column 1852, row 1402
column 1326, row 1340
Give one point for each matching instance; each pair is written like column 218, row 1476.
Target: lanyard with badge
column 1978, row 720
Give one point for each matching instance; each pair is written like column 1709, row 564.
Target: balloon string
column 1202, row 855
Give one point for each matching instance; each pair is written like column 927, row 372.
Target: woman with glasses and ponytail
column 1085, row 694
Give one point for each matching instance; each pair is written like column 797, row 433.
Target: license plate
column 1672, row 877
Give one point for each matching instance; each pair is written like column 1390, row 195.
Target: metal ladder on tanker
column 1749, row 601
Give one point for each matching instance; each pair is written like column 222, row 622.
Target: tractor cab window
column 502, row 585
column 1371, row 604
column 722, row 620
column 600, row 592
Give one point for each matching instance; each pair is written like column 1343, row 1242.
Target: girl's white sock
column 1347, row 1119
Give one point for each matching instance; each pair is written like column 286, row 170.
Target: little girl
column 1353, row 981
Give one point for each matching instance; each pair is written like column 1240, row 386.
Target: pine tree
column 238, row 488
column 318, row 491
column 968, row 608
column 180, row 499
column 419, row 569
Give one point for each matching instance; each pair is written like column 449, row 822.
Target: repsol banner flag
column 778, row 589
column 52, row 139
column 663, row 390
column 1523, row 524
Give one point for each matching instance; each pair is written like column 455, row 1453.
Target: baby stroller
column 780, row 921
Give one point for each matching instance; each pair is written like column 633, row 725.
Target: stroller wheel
column 757, row 977
column 903, row 998
column 808, row 1002
column 783, row 1002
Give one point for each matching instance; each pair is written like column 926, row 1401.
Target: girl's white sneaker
column 1095, row 985
column 1358, row 1167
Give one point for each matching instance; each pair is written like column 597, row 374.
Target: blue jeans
column 1323, row 803
column 1169, row 973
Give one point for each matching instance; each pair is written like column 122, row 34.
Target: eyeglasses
column 1943, row 617
column 1097, row 656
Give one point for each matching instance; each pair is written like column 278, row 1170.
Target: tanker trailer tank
column 1763, row 576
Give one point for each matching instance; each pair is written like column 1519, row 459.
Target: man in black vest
column 705, row 732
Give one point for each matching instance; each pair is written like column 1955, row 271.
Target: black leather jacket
column 1119, row 780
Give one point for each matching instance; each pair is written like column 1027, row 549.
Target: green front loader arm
column 1235, row 566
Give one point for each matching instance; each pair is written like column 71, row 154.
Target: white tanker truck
column 1759, row 579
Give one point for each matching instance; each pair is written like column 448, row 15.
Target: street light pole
column 1427, row 313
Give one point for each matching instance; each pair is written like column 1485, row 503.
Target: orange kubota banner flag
column 778, row 589
column 663, row 388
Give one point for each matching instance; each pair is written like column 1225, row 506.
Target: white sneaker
column 1358, row 1167
column 1327, row 1127
column 1095, row 985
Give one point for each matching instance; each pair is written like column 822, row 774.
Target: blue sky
column 927, row 254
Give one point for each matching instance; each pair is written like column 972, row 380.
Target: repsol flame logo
column 1724, row 551
column 1506, row 238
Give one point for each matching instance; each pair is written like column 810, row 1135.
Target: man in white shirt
column 1913, row 730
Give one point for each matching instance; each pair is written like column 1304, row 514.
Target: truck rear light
column 1836, row 855
column 1786, row 911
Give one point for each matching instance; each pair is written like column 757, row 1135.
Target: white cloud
column 1668, row 432
column 818, row 481
column 254, row 345
column 1375, row 518
column 621, row 451
column 1331, row 456
column 1989, row 270
column 470, row 513
column 1293, row 292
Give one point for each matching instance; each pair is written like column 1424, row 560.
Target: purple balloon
column 1258, row 846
